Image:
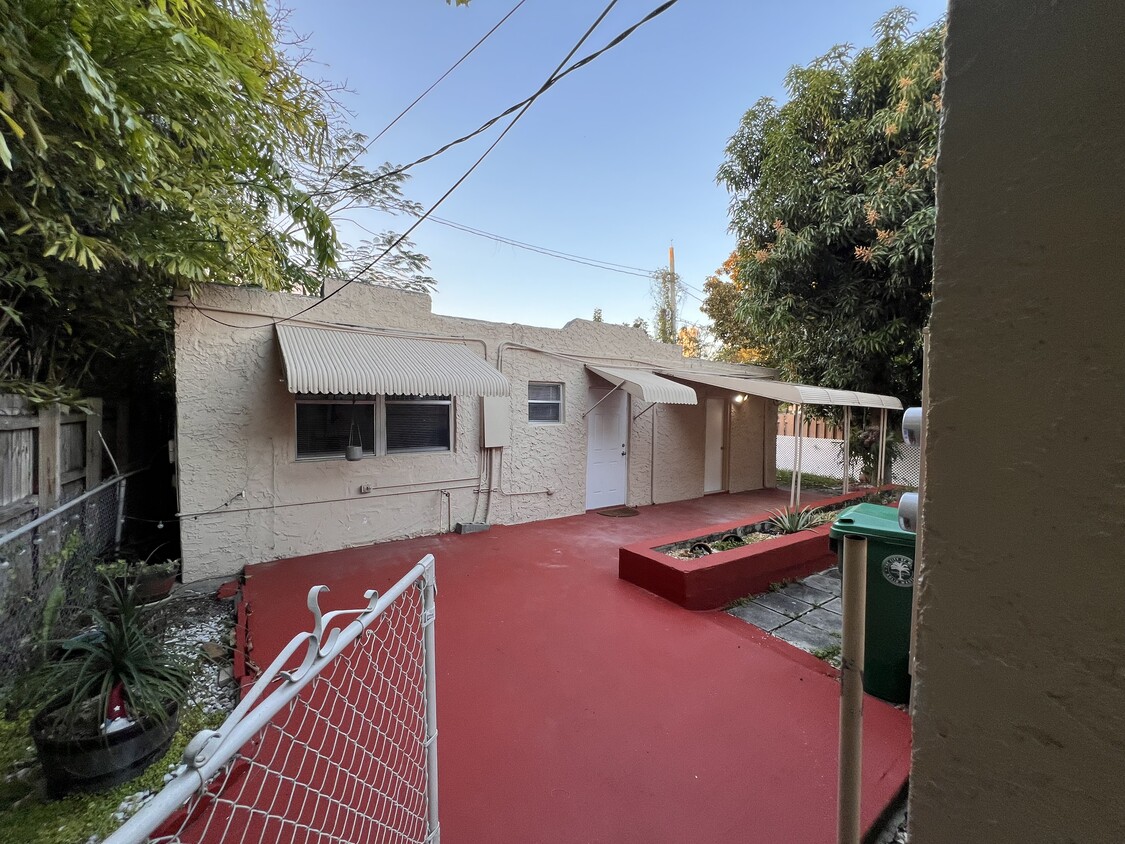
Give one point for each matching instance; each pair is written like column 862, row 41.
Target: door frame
column 724, row 447
column 627, row 428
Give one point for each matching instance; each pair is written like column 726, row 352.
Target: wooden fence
column 810, row 427
column 48, row 455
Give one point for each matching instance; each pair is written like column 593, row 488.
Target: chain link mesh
column 344, row 761
column 906, row 469
column 48, row 577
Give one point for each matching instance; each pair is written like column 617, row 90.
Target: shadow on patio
column 576, row 707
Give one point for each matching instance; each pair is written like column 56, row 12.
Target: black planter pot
column 100, row 762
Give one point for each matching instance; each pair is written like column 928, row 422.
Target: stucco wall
column 1019, row 699
column 753, row 434
column 236, row 434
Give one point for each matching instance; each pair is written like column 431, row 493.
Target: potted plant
column 114, row 694
column 149, row 581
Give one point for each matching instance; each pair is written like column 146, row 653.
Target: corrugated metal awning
column 330, row 360
column 646, row 385
column 786, row 392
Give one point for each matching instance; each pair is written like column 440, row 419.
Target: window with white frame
column 544, row 402
column 327, row 424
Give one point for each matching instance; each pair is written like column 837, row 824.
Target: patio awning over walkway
column 786, row 392
column 339, row 361
column 646, row 385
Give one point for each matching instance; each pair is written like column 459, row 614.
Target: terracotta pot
column 148, row 588
column 98, row 763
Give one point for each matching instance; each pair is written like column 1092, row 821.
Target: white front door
column 714, row 445
column 607, row 438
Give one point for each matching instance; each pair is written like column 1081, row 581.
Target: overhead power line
column 365, row 147
column 491, row 122
column 439, row 80
column 624, row 269
column 551, row 80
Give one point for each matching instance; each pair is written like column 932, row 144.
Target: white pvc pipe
column 796, row 457
column 882, row 476
column 854, row 599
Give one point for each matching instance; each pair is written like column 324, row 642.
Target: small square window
column 544, row 402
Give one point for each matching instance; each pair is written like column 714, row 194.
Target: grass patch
column 741, row 602
column 831, row 654
column 27, row 816
column 808, row 481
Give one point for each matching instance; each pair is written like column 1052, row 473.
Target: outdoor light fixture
column 739, row 399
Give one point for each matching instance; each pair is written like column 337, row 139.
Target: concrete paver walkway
column 576, row 707
column 806, row 614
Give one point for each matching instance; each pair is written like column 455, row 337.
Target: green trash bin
column 890, row 592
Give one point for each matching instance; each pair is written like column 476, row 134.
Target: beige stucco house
column 452, row 420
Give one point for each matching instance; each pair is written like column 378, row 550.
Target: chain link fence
column 47, row 571
column 342, row 748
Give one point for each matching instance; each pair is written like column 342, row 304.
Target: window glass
column 544, row 402
column 324, row 429
column 418, row 423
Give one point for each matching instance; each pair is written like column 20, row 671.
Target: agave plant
column 792, row 521
column 119, row 663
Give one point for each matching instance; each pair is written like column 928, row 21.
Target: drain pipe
column 851, row 689
column 652, row 461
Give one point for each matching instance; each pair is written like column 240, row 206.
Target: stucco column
column 1019, row 699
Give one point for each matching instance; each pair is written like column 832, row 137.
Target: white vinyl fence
column 824, row 458
column 342, row 748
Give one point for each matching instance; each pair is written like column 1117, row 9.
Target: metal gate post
column 429, row 590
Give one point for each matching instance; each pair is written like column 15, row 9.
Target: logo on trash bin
column 899, row 570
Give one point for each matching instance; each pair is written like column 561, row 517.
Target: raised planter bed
column 714, row 580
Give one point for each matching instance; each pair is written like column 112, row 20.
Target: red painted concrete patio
column 576, row 707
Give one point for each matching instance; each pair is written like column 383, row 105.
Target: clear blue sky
column 614, row 162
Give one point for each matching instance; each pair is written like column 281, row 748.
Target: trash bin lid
column 871, row 520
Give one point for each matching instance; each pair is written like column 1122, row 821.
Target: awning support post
column 599, row 401
column 795, row 480
column 847, row 448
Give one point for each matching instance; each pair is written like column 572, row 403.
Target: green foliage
column 808, row 480
column 723, row 291
column 150, row 146
column 122, row 651
column 30, row 818
column 667, row 297
column 640, row 323
column 864, row 444
column 833, row 204
column 133, row 568
column 829, row 654
column 793, row 521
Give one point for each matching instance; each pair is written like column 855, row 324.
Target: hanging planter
column 354, row 449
